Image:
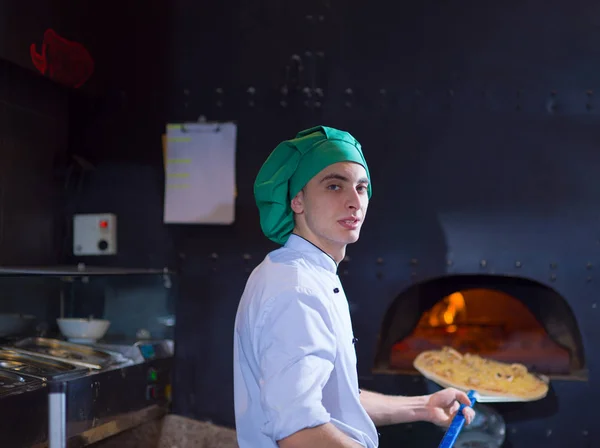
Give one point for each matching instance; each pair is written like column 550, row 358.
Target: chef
column 295, row 376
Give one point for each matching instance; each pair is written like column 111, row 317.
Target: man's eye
column 362, row 188
column 333, row 187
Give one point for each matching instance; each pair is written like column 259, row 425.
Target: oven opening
column 507, row 319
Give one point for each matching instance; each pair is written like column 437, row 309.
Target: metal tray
column 76, row 354
column 38, row 367
column 12, row 383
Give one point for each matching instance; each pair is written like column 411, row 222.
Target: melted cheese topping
column 486, row 376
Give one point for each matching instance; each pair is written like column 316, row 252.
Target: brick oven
column 509, row 319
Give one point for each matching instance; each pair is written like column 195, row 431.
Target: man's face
column 333, row 205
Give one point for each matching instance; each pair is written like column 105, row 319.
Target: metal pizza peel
column 458, row 421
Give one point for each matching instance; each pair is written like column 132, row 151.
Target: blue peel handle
column 457, row 423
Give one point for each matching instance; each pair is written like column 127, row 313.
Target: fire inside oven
column 506, row 319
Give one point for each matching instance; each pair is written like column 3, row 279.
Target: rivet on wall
column 186, row 93
column 346, row 258
column 553, row 265
column 318, row 97
column 483, row 263
column 345, row 272
column 307, row 92
column 380, row 260
column 594, row 305
column 517, row 264
column 247, row 257
column 284, row 92
column 584, row 433
column 294, row 71
column 349, row 93
column 513, row 430
column 414, row 262
column 383, row 98
column 449, row 262
column 589, row 265
column 553, row 277
column 214, row 256
column 251, row 96
column 548, row 432
column 219, row 95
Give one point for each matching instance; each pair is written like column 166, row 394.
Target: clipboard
column 199, row 161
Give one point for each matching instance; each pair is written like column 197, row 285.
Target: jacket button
column 354, row 340
column 336, row 290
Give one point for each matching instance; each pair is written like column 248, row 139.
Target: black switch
column 336, row 290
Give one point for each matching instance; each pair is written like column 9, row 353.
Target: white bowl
column 86, row 331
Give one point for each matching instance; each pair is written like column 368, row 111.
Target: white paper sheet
column 200, row 173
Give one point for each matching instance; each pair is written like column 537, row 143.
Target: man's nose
column 353, row 200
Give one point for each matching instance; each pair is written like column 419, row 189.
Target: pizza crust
column 488, row 377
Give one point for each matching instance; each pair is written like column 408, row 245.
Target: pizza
column 485, row 376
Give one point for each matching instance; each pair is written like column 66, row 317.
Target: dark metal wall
column 480, row 125
column 33, row 143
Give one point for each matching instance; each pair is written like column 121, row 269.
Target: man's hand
column 443, row 405
column 438, row 408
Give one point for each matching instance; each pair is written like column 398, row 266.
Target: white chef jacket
column 294, row 358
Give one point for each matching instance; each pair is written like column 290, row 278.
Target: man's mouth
column 349, row 223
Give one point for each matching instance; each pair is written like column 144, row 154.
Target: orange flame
column 445, row 313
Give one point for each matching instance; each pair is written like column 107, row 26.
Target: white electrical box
column 95, row 234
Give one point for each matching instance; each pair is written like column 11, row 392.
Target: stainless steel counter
column 117, row 394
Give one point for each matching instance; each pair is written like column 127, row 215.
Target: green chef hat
column 289, row 168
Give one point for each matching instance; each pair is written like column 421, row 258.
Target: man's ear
column 297, row 203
